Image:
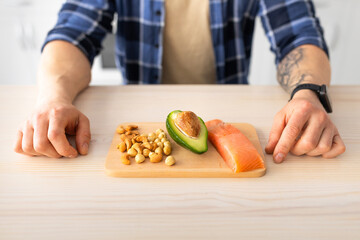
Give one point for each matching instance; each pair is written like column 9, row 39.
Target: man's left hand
column 304, row 127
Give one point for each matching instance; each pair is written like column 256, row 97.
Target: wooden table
column 303, row 198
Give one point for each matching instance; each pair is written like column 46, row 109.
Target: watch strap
column 310, row 86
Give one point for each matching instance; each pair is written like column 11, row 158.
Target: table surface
column 303, row 198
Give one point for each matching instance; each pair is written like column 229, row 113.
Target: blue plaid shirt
column 140, row 24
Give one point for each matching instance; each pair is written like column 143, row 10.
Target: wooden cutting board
column 188, row 164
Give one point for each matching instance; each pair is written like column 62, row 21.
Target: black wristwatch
column 321, row 92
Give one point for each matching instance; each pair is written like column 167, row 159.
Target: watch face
column 323, row 89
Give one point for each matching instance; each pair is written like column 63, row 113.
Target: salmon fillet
column 233, row 146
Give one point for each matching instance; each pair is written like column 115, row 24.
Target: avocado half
column 196, row 145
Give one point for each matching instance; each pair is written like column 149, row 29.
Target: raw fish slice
column 234, row 147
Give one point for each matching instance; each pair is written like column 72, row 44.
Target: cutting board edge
column 162, row 174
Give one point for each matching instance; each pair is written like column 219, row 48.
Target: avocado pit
column 188, row 123
column 188, row 130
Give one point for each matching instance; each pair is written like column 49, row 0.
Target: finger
column 310, row 137
column 27, row 140
column 41, row 143
column 57, row 137
column 83, row 135
column 18, row 141
column 289, row 135
column 18, row 144
column 275, row 132
column 338, row 147
column 324, row 144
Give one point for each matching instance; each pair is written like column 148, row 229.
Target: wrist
column 53, row 98
column 309, row 95
column 51, row 92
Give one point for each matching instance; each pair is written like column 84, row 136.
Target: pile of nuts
column 152, row 145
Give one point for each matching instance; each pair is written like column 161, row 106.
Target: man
column 183, row 41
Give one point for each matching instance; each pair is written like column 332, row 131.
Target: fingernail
column 85, row 148
column 266, row 149
column 268, row 145
column 72, row 156
column 279, row 158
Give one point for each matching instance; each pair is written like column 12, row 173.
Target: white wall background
column 340, row 20
column 24, row 24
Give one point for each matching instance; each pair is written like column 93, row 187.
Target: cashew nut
column 151, row 137
column 158, row 131
column 132, row 152
column 122, row 147
column 154, row 146
column 160, row 144
column 123, row 137
column 128, row 144
column 146, row 145
column 120, row 130
column 141, row 139
column 159, row 150
column 155, row 157
column 134, row 132
column 170, row 160
column 139, row 158
column 161, row 135
column 131, row 127
column 146, row 152
column 167, row 150
column 137, row 147
column 125, row 159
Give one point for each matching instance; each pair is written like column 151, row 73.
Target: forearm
column 64, row 71
column 304, row 64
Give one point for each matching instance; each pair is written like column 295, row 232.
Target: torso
column 188, row 56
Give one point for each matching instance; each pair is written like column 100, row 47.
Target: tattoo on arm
column 286, row 76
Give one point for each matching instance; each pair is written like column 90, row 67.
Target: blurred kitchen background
column 25, row 23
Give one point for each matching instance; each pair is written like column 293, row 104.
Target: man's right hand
column 64, row 71
column 44, row 133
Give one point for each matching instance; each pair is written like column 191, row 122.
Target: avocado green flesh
column 196, row 145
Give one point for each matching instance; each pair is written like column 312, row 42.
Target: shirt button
column 158, row 12
column 156, row 45
column 156, row 76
